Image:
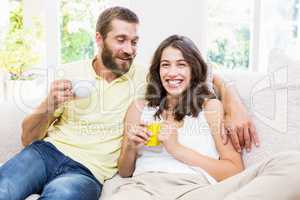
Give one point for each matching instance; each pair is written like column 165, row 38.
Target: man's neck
column 102, row 71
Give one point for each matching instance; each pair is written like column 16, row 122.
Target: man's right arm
column 35, row 126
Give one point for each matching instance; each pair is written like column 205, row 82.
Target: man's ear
column 99, row 40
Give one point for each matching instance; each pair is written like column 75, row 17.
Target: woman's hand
column 168, row 136
column 137, row 135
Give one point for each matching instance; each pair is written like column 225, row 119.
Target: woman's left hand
column 168, row 135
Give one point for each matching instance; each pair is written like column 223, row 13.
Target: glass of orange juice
column 154, row 128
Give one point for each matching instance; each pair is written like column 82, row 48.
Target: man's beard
column 110, row 62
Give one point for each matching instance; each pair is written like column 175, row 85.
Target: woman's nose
column 173, row 71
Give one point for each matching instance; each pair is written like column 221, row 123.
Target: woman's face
column 175, row 72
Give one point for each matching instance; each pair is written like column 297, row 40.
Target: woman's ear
column 99, row 40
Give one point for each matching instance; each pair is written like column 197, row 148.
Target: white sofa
column 272, row 98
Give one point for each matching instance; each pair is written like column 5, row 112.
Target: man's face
column 120, row 46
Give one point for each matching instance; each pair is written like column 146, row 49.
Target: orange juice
column 154, row 128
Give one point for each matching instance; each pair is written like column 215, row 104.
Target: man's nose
column 129, row 49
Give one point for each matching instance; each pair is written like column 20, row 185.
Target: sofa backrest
column 273, row 100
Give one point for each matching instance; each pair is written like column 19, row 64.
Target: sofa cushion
column 11, row 117
column 273, row 100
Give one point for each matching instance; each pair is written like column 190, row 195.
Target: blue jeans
column 42, row 169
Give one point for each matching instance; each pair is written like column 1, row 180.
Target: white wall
column 3, row 12
column 160, row 19
column 32, row 9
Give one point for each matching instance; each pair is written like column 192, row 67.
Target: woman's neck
column 169, row 110
column 171, row 103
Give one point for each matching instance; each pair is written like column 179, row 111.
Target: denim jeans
column 42, row 169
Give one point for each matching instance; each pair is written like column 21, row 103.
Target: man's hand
column 240, row 128
column 60, row 92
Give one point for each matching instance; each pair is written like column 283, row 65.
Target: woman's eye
column 164, row 65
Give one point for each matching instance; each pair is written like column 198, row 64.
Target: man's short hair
column 103, row 25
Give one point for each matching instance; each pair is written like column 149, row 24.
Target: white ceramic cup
column 83, row 88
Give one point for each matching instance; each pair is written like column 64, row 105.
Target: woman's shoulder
column 139, row 109
column 139, row 102
column 135, row 110
column 137, row 106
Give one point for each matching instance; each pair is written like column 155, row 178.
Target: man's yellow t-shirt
column 89, row 130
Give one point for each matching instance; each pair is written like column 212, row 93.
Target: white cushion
column 274, row 102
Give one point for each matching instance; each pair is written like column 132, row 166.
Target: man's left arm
column 237, row 121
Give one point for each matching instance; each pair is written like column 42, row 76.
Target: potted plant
column 17, row 50
column 17, row 54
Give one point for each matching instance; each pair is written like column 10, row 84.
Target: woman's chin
column 174, row 93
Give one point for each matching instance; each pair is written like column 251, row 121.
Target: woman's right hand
column 137, row 135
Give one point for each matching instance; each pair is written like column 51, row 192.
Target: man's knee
column 7, row 189
column 71, row 191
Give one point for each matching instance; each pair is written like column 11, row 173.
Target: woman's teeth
column 174, row 83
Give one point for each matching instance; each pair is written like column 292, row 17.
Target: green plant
column 229, row 53
column 17, row 51
column 77, row 30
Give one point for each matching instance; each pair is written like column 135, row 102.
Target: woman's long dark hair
column 190, row 102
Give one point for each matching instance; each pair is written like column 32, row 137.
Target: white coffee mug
column 83, row 88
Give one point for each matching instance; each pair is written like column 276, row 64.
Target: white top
column 194, row 134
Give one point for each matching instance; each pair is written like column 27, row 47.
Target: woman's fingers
column 138, row 134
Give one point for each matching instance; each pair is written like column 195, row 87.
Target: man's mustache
column 127, row 57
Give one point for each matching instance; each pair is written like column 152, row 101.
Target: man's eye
column 134, row 43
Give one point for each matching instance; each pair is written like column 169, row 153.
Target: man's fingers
column 63, row 96
column 62, row 85
column 240, row 134
column 68, row 93
column 247, row 139
column 253, row 135
column 235, row 140
column 224, row 135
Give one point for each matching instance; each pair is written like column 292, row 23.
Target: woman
column 177, row 97
column 191, row 158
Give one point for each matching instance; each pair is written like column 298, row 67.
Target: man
column 72, row 144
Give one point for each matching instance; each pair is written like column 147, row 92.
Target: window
column 242, row 33
column 78, row 27
column 229, row 33
column 280, row 26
